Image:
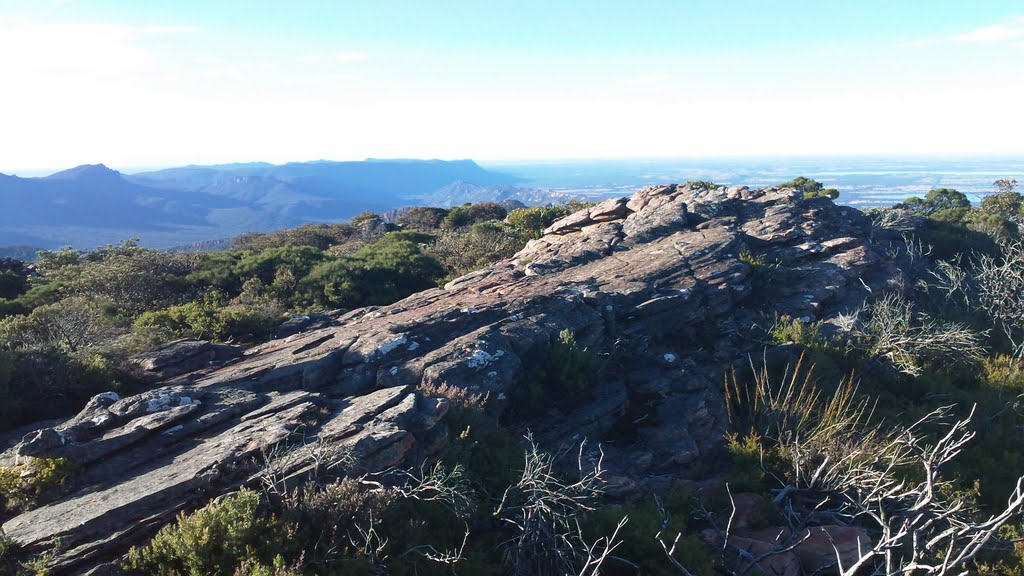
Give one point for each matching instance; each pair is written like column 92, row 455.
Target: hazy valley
column 93, row 205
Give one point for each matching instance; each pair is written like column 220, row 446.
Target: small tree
column 811, row 188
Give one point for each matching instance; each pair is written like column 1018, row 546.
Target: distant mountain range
column 93, row 205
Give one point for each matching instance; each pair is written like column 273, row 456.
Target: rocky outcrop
column 667, row 287
column 181, row 357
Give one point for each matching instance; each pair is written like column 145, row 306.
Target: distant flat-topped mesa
column 666, row 288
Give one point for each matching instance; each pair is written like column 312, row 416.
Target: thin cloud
column 307, row 59
column 1005, row 33
column 350, row 56
column 155, row 30
column 657, row 78
column 919, row 43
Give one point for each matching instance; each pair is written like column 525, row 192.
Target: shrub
column 216, row 540
column 470, row 248
column 21, row 487
column 8, row 549
column 765, row 277
column 423, row 218
column 320, row 236
column 250, row 567
column 794, row 410
column 48, row 382
column 571, row 370
column 381, row 273
column 834, row 467
column 469, row 214
column 12, row 284
column 300, row 260
column 746, row 473
column 811, row 188
column 889, row 328
column 209, row 318
column 701, row 185
column 788, row 330
column 650, row 518
column 531, row 222
column 72, row 324
column 136, row 279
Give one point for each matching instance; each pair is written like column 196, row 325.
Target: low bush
column 811, row 188
column 531, row 222
column 23, row 486
column 210, row 319
column 564, row 379
column 225, row 536
column 47, row 382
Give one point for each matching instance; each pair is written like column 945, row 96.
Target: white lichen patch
column 108, row 396
column 168, row 400
column 391, row 345
column 160, row 403
column 670, row 357
column 101, row 419
column 481, row 358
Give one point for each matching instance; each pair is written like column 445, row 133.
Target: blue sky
column 162, row 83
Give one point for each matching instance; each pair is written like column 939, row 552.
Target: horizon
column 532, row 162
column 137, row 85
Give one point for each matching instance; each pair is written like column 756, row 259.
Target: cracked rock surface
column 663, row 285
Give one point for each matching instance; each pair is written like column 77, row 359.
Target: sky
column 162, row 83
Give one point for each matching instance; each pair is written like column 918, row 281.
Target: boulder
column 182, row 356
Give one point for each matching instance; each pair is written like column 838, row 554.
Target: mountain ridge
column 92, row 203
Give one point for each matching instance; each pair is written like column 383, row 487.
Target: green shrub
column 746, row 473
column 792, row 331
column 47, row 382
column 217, row 540
column 701, row 185
column 12, row 284
column 74, row 323
column 531, row 222
column 423, row 218
column 811, row 188
column 209, row 318
column 469, row 214
column 9, row 565
column 469, row 248
column 563, row 376
column 381, row 273
column 571, row 370
column 647, row 518
column 320, row 236
column 250, row 567
column 135, row 278
column 781, row 411
column 21, row 487
column 765, row 277
column 8, row 402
